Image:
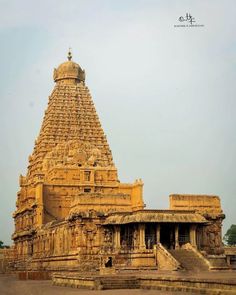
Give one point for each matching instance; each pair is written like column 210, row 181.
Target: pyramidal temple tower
column 70, row 122
column 72, row 213
column 71, row 170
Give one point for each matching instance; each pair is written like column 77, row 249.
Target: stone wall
column 200, row 203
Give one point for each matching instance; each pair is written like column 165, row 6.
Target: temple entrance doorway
column 150, row 235
column 127, row 237
column 184, row 234
column 167, row 235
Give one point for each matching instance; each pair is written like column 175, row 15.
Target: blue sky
column 165, row 95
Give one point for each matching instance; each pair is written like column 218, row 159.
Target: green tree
column 2, row 246
column 230, row 236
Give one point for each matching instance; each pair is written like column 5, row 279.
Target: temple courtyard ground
column 11, row 285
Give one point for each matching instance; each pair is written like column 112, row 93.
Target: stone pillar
column 80, row 238
column 193, row 235
column 136, row 238
column 66, row 239
column 158, row 230
column 176, row 236
column 69, row 238
column 40, row 204
column 29, row 250
column 142, row 245
column 228, row 260
column 117, row 237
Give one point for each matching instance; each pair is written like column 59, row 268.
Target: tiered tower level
column 71, row 169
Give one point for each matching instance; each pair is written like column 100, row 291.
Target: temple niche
column 73, row 213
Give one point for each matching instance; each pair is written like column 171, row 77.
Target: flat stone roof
column 158, row 216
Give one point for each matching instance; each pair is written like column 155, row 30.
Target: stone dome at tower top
column 69, row 70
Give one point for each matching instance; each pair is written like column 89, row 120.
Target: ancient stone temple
column 73, row 213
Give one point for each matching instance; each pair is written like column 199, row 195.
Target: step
column 189, row 260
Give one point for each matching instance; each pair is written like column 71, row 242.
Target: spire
column 69, row 70
column 70, row 123
column 69, row 56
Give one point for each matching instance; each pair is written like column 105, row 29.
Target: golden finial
column 69, row 56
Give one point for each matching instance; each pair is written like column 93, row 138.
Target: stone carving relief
column 213, row 238
column 107, row 241
column 72, row 154
column 89, row 231
column 107, row 237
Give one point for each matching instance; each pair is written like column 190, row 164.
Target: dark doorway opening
column 167, row 237
column 127, row 237
column 109, row 262
column 184, row 236
column 150, row 235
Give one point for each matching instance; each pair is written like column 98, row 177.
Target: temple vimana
column 72, row 212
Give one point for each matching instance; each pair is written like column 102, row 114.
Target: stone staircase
column 96, row 282
column 189, row 260
column 119, row 282
column 128, row 269
column 205, row 283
